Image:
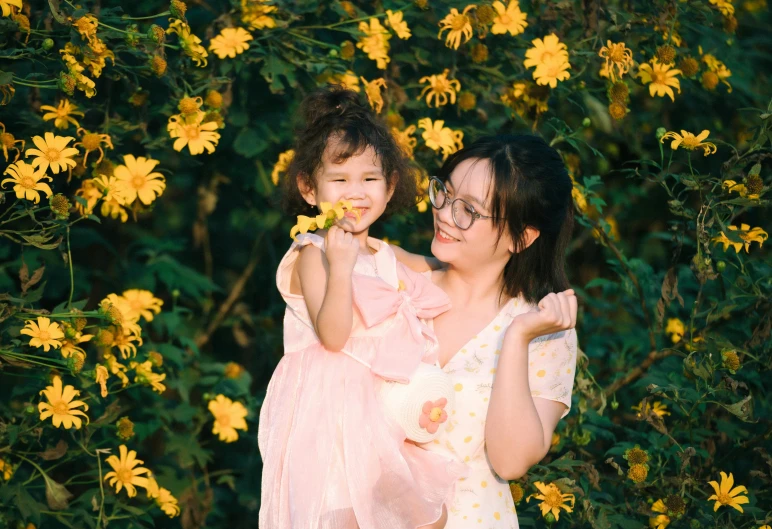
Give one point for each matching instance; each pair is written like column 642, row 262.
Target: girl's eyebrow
column 344, row 173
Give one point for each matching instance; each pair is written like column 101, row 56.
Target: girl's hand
column 341, row 249
column 557, row 312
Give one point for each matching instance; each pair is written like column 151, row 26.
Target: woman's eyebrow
column 468, row 198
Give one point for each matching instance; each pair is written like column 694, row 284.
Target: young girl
column 332, row 459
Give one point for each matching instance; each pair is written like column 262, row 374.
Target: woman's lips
column 443, row 237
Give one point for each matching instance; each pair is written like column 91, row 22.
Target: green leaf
column 741, row 410
column 249, row 143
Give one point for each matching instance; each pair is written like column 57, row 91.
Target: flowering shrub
column 142, row 148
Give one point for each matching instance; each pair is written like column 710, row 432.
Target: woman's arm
column 417, row 263
column 519, row 427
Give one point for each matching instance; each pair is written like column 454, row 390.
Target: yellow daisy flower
column 303, row 225
column 689, row 141
column 552, row 499
column 619, row 59
column 60, row 406
column 549, row 73
column 125, row 472
column 459, row 26
column 718, row 68
column 91, row 142
column 6, row 6
column 745, row 233
column 52, row 152
column 230, row 42
column 738, row 188
column 112, row 201
column 139, row 303
column 70, row 345
column 62, row 114
column 676, row 329
column 6, row 470
column 198, row 136
column 726, row 495
column 656, row 408
column 163, row 498
column 662, row 520
column 86, row 26
column 661, row 78
column 229, row 416
column 9, row 143
column 100, row 377
column 725, row 6
column 375, row 42
column 438, row 137
column 440, row 88
column 91, row 193
column 44, row 333
column 255, row 13
column 348, row 80
column 509, row 19
column 190, row 43
column 397, row 24
column 27, row 181
column 545, row 51
column 373, row 91
column 116, row 368
column 144, row 375
column 281, row 165
column 405, row 139
column 136, row 179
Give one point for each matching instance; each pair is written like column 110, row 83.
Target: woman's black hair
column 531, row 187
column 340, row 113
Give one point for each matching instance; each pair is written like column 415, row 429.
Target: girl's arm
column 417, row 263
column 519, row 427
column 325, row 281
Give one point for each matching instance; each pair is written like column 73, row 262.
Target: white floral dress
column 483, row 499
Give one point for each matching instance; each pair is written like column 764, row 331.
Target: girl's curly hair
column 340, row 113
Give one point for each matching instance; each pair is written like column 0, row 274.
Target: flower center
column 27, row 181
column 690, row 143
column 435, row 414
column 53, row 155
column 138, row 181
column 224, row 420
column 724, row 498
column 505, row 19
column 192, row 132
column 60, row 408
column 7, row 139
column 553, row 498
column 617, row 53
column 658, row 77
column 460, row 22
column 435, row 136
column 91, row 142
column 125, row 475
column 44, row 336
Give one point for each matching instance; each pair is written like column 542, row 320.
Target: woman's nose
column 445, row 214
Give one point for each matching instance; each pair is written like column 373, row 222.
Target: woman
column 502, row 216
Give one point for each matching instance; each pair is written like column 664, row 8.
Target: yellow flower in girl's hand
column 329, row 215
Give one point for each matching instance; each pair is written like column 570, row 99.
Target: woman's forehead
column 472, row 177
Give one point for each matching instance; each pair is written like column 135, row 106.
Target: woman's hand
column 557, row 312
column 341, row 249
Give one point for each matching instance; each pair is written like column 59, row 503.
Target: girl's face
column 358, row 179
column 478, row 246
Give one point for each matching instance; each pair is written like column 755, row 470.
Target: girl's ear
column 529, row 236
column 392, row 186
column 308, row 194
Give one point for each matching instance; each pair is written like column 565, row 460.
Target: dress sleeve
column 552, row 367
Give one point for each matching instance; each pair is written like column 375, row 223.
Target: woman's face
column 480, row 245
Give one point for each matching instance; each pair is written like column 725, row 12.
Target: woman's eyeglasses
column 462, row 211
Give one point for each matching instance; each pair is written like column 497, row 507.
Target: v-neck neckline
column 481, row 331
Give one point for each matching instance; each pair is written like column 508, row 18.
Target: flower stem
column 147, row 17
column 69, row 263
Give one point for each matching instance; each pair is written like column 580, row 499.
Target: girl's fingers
column 565, row 309
column 574, row 308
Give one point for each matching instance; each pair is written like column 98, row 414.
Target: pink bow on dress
column 404, row 344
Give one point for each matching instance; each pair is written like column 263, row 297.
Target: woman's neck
column 472, row 288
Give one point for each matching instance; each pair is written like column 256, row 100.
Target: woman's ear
column 529, row 236
column 308, row 194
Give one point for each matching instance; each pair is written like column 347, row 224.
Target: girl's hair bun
column 330, row 104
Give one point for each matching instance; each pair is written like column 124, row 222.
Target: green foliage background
column 210, row 245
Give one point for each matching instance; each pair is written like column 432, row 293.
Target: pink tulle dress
column 331, row 457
